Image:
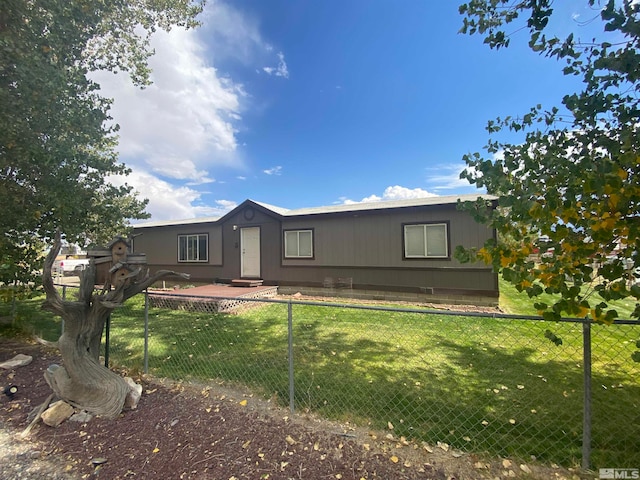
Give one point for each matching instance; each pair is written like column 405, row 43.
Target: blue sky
column 310, row 103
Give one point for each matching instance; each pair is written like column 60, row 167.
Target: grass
column 479, row 384
column 519, row 303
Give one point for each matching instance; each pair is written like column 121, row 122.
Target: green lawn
column 480, row 384
column 519, row 303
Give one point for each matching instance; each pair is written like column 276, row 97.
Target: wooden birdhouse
column 114, row 264
column 119, row 248
column 120, row 273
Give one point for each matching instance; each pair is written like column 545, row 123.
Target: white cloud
column 176, row 132
column 279, row 71
column 447, row 177
column 277, row 170
column 170, row 202
column 395, row 192
column 188, row 113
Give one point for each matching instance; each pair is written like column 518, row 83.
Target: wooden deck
column 211, row 298
column 217, row 290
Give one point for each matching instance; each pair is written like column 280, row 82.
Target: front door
column 250, row 252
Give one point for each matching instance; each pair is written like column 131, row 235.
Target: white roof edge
column 273, row 208
column 169, row 223
column 382, row 205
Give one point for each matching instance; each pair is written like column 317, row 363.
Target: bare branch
column 54, row 302
column 87, row 283
column 136, row 288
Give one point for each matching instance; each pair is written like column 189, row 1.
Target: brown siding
column 365, row 247
column 376, row 239
column 160, row 244
column 269, row 243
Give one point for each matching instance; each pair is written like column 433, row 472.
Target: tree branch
column 87, row 283
column 136, row 288
column 54, row 302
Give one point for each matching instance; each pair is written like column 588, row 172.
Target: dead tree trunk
column 82, row 381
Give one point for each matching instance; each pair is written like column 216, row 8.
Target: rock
column 525, row 468
column 20, row 360
column 57, row 413
column 81, row 417
column 135, row 392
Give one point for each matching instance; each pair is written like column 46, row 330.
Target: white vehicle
column 70, row 266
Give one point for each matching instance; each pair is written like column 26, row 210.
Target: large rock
column 20, row 360
column 57, row 413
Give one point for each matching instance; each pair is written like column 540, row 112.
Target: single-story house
column 396, row 249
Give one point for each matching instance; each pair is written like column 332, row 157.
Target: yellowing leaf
column 156, row 450
column 394, row 459
column 243, row 403
column 484, row 255
column 622, row 173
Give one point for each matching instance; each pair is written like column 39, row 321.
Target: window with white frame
column 193, row 248
column 298, row 244
column 428, row 240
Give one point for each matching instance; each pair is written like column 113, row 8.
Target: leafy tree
column 57, row 149
column 573, row 179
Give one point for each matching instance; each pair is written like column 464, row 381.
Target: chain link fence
column 484, row 383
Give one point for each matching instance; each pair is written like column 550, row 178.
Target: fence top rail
column 430, row 311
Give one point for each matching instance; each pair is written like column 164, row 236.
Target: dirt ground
column 181, row 431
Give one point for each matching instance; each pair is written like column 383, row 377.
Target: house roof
column 386, row 205
column 186, row 221
column 352, row 207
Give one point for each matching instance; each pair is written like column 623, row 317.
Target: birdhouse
column 119, row 273
column 114, row 265
column 119, row 248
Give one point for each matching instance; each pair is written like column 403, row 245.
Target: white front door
column 250, row 252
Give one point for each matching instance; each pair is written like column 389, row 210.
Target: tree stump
column 82, row 381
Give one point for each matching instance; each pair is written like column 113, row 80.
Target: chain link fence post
column 586, row 416
column 146, row 331
column 107, row 341
column 290, row 336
